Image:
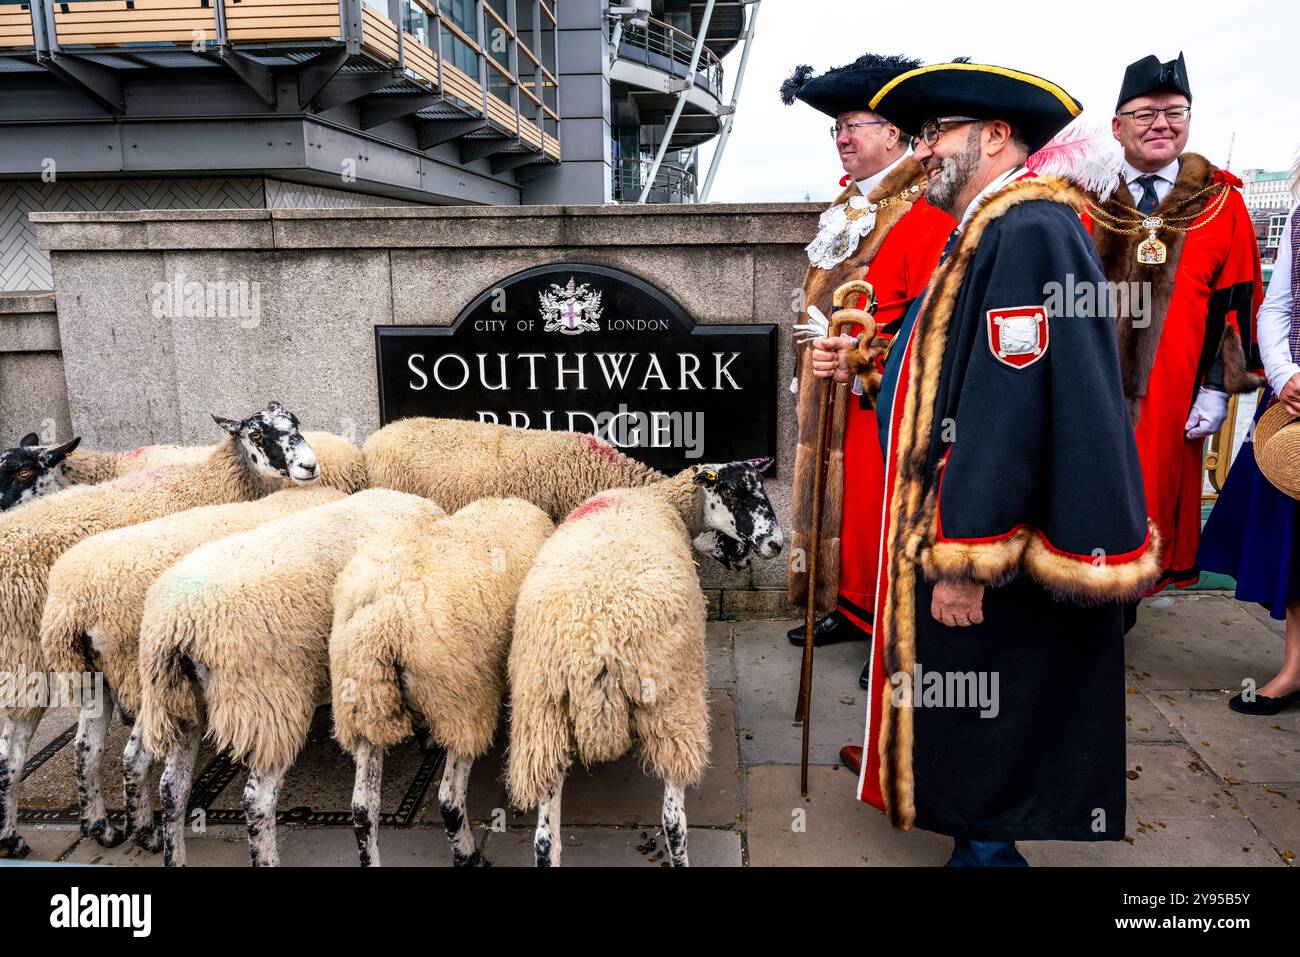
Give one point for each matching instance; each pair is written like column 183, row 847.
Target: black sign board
column 586, row 348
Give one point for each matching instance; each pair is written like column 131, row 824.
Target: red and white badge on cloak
column 1018, row 335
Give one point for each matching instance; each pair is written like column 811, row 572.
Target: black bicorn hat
column 844, row 88
column 1149, row 75
column 1037, row 108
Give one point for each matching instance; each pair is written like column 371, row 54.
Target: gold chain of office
column 851, row 214
column 1151, row 251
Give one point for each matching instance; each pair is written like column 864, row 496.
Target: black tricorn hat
column 1037, row 108
column 844, row 88
column 1149, row 75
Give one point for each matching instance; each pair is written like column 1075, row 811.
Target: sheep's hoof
column 149, row 840
column 105, row 834
column 14, row 847
column 474, row 860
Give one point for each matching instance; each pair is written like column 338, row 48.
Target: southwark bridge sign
column 586, row 348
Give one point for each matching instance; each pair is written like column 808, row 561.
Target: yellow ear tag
column 710, row 475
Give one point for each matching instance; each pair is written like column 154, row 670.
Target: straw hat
column 1277, row 449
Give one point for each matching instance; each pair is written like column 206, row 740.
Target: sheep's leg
column 174, row 790
column 261, row 795
column 92, row 731
column 451, row 802
column 136, row 763
column 675, row 823
column 365, row 802
column 15, row 738
column 546, row 839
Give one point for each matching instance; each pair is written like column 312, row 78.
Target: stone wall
column 326, row 278
column 33, row 396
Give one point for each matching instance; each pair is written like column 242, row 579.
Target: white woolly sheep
column 609, row 639
column 92, row 624
column 260, row 454
column 235, row 637
column 421, row 632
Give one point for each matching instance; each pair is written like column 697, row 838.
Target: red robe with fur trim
column 1198, row 329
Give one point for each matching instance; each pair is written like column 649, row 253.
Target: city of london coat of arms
column 570, row 310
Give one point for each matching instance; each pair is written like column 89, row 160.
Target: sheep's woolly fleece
column 609, row 640
column 256, row 610
column 454, row 462
column 92, row 468
column 98, row 587
column 423, row 622
column 34, row 536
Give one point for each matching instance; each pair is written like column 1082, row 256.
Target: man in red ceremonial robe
column 880, row 227
column 1186, row 340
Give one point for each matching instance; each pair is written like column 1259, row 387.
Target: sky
column 1241, row 77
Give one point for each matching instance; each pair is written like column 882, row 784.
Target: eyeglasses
column 837, row 129
column 1176, row 115
column 935, row 128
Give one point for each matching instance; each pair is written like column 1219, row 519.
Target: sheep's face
column 273, row 443
column 31, row 470
column 738, row 516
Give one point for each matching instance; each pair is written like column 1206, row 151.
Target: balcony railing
column 674, row 183
column 50, row 28
column 664, row 40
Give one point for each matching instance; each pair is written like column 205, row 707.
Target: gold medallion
column 1151, row 251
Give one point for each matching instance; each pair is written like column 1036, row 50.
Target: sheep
column 609, row 639
column 421, row 631
column 236, row 636
column 257, row 456
column 31, row 470
column 455, row 461
column 92, row 624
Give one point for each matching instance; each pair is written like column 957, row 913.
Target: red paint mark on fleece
column 134, row 453
column 603, row 449
column 597, row 504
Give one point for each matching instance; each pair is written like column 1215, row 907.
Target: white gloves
column 815, row 328
column 1207, row 415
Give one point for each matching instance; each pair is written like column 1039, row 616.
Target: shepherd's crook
column 842, row 317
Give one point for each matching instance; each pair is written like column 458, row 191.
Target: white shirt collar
column 1168, row 173
column 865, row 186
column 990, row 189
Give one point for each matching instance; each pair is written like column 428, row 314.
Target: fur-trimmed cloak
column 1197, row 329
column 910, row 255
column 1024, row 478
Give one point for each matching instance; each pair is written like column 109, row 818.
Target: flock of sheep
column 228, row 591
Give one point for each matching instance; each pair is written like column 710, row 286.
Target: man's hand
column 830, row 357
column 1207, row 415
column 1290, row 394
column 958, row 604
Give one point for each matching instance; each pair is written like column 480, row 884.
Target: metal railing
column 665, row 40
column 674, row 183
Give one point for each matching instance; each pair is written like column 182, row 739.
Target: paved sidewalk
column 1206, row 786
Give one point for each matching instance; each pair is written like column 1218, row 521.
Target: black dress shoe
column 1263, row 704
column 864, row 679
column 834, row 627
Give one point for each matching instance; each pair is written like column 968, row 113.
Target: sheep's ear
column 760, row 465
column 28, row 440
column 230, row 425
column 705, row 475
column 52, row 457
column 274, row 406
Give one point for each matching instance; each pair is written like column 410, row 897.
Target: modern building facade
column 1269, row 196
column 173, row 104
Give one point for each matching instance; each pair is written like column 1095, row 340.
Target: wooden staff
column 843, row 317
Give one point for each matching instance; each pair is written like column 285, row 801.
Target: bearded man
column 881, row 228
column 997, row 705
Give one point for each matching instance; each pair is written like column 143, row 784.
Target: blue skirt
column 1253, row 532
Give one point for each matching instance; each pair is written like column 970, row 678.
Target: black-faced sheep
column 609, row 639
column 259, row 455
column 31, row 470
column 91, row 624
column 235, row 637
column 421, row 632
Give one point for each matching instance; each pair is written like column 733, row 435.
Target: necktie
column 1149, row 201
